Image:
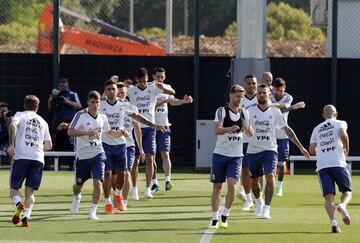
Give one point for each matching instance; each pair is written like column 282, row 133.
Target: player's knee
column 32, row 199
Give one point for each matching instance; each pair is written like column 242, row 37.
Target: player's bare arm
column 312, row 149
column 220, row 130
column 186, row 100
column 345, row 141
column 292, row 136
column 115, row 134
column 143, row 120
column 12, row 134
column 47, row 145
column 138, row 140
column 72, row 132
column 166, row 88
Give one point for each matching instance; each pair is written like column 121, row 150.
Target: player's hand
column 346, row 152
column 234, row 128
column 159, row 128
column 305, row 152
column 142, row 156
column 299, row 105
column 62, row 126
column 125, row 133
column 11, row 150
column 159, row 85
column 188, row 99
column 249, row 131
column 94, row 133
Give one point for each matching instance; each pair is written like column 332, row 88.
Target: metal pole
column 55, row 54
column 131, row 16
column 186, row 16
column 334, row 52
column 196, row 71
column 169, row 16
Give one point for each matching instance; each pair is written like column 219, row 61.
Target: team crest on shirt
column 88, row 124
column 149, row 92
column 270, row 117
column 135, row 93
column 104, row 109
column 255, row 116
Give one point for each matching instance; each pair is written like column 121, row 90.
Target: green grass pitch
column 181, row 215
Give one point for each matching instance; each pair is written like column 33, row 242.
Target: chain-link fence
column 115, row 26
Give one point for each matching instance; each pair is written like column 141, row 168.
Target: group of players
column 105, row 148
column 253, row 139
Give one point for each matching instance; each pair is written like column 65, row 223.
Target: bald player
column 330, row 143
column 267, row 78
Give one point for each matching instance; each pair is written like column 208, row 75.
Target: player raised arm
column 143, row 120
column 292, row 136
column 166, row 88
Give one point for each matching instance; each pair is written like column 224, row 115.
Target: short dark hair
column 63, row 80
column 263, row 86
column 3, row 104
column 93, row 95
column 141, row 72
column 159, row 69
column 279, row 82
column 120, row 84
column 236, row 88
column 109, row 82
column 249, row 76
column 31, row 102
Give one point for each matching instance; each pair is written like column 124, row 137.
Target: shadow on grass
column 112, row 231
column 267, row 233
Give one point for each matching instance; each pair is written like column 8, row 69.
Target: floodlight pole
column 131, row 16
column 334, row 81
column 55, row 54
column 196, row 72
column 169, row 16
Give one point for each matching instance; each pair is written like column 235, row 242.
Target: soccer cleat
column 92, row 216
column 75, row 206
column 214, row 224
column 147, row 193
column 335, row 228
column 278, row 192
column 19, row 209
column 134, row 194
column 224, row 222
column 109, row 209
column 242, row 196
column 344, row 214
column 247, row 206
column 125, row 204
column 119, row 202
column 168, row 186
column 266, row 213
column 259, row 208
column 25, row 222
column 155, row 188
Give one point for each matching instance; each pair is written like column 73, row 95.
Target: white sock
column 226, row 212
column 108, row 201
column 27, row 212
column 147, row 189
column 134, row 188
column 242, row 190
column 118, row 192
column 167, row 178
column 155, row 181
column 258, row 201
column 248, row 197
column 279, row 184
column 334, row 222
column 266, row 207
column 215, row 215
column 93, row 208
column 16, row 200
column 78, row 197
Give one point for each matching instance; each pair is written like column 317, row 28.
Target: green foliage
column 152, row 32
column 286, row 23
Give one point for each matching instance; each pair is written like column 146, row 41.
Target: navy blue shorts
column 283, row 149
column 163, row 140
column 130, row 153
column 245, row 161
column 115, row 157
column 22, row 169
column 148, row 141
column 329, row 176
column 223, row 167
column 263, row 162
column 90, row 168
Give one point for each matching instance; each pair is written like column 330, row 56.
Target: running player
column 87, row 127
column 330, row 143
column 28, row 138
column 143, row 96
column 163, row 139
column 262, row 148
column 230, row 122
column 283, row 101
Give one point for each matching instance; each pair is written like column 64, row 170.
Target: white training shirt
column 230, row 144
column 145, row 100
column 329, row 147
column 161, row 112
column 129, row 126
column 245, row 104
column 32, row 131
column 87, row 147
column 286, row 100
column 115, row 114
column 264, row 124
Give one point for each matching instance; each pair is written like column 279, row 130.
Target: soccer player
column 143, row 96
column 87, row 127
column 330, row 143
column 282, row 100
column 163, row 139
column 249, row 99
column 28, row 138
column 267, row 78
column 230, row 123
column 262, row 148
